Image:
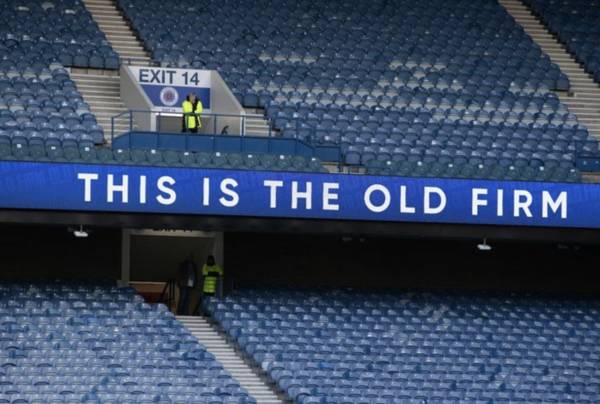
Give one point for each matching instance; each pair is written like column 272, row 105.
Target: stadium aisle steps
column 118, row 33
column 102, row 93
column 232, row 362
column 100, row 89
column 585, row 99
column 257, row 126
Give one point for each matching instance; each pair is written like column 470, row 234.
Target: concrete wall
column 40, row 252
column 224, row 102
column 135, row 99
column 335, row 261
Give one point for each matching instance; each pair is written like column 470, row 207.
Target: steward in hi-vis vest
column 211, row 273
column 191, row 106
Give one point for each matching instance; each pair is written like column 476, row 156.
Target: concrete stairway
column 257, row 124
column 101, row 90
column 117, row 31
column 217, row 344
column 584, row 98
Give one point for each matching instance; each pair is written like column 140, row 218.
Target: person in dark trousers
column 187, row 276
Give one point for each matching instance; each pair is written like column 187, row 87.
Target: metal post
column 215, row 124
column 270, row 123
column 130, row 121
column 125, row 257
column 112, row 129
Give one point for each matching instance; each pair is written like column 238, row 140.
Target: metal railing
column 167, row 297
column 129, row 119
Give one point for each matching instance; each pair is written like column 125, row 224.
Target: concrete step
column 110, row 30
column 93, row 79
column 108, row 82
column 225, row 353
column 103, row 98
column 104, row 11
column 130, row 45
column 100, row 83
column 124, row 42
column 90, row 88
column 116, row 24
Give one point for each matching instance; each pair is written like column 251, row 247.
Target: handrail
column 168, row 290
column 242, row 117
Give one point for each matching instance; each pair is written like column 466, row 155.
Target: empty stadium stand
column 39, row 100
column 43, row 103
column 433, row 82
column 92, row 343
column 431, row 89
column 575, row 23
column 37, row 33
column 357, row 347
column 583, row 97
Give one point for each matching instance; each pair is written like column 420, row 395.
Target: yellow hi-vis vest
column 211, row 275
column 188, row 108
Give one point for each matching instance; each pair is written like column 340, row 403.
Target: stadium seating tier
column 356, row 347
column 576, row 24
column 436, row 81
column 89, row 343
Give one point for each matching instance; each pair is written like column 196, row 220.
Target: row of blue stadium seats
column 448, row 116
column 498, row 101
column 23, row 112
column 449, row 145
column 536, row 157
column 267, row 66
column 36, row 118
column 310, row 88
column 54, row 135
column 385, row 68
column 51, row 121
column 70, row 150
column 27, row 98
column 568, row 140
column 284, row 71
column 472, row 113
column 420, row 120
